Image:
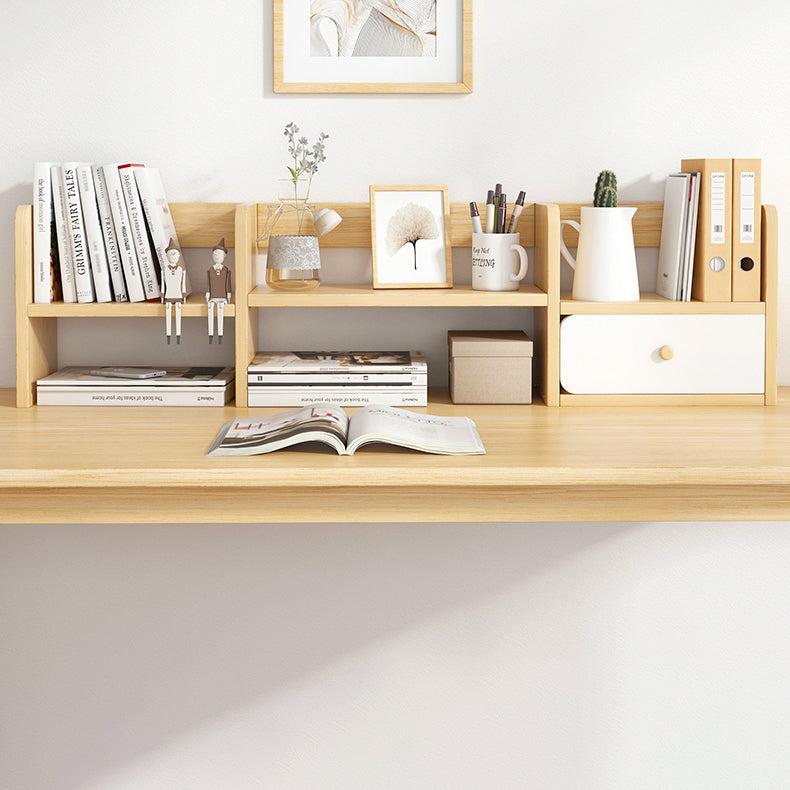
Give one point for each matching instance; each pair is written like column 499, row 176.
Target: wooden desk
column 118, row 465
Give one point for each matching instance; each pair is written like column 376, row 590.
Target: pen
column 517, row 209
column 500, row 224
column 490, row 214
column 476, row 226
column 497, row 198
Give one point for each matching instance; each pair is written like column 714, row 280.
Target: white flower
column 408, row 225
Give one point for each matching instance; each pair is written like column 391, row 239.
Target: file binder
column 712, row 275
column 746, row 216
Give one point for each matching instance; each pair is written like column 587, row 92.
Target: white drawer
column 609, row 354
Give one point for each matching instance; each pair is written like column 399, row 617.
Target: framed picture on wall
column 372, row 46
column 410, row 232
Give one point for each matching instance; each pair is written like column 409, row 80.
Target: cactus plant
column 605, row 189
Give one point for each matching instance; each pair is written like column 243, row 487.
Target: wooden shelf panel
column 195, row 306
column 653, row 304
column 366, row 296
column 62, row 465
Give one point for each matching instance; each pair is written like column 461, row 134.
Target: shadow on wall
column 119, row 639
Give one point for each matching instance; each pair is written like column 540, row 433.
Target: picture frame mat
column 445, row 231
column 295, row 71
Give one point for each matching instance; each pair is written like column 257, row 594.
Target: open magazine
column 324, row 422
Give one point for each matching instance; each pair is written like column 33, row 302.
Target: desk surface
column 148, row 464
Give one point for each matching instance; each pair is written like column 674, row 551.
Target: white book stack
column 388, row 378
column 85, row 386
column 87, row 243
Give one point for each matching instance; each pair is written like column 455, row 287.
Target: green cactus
column 605, row 189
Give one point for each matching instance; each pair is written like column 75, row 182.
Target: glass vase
column 293, row 262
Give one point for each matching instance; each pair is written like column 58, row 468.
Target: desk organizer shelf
column 199, row 225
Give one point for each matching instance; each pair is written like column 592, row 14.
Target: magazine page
column 426, row 432
column 320, row 422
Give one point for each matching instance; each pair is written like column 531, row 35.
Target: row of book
column 99, row 232
column 347, row 378
column 710, row 236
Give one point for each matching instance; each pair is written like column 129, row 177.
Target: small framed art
column 372, row 46
column 410, row 232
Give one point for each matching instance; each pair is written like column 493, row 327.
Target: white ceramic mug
column 499, row 262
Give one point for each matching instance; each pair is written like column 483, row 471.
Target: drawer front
column 662, row 354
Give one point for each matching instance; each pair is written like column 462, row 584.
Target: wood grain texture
column 770, row 294
column 36, row 338
column 204, row 224
column 653, row 304
column 640, row 463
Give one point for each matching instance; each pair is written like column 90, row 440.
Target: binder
column 712, row 275
column 746, row 216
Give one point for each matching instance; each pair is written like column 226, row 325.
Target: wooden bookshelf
column 202, row 224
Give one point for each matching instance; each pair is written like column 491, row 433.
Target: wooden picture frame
column 398, row 215
column 296, row 72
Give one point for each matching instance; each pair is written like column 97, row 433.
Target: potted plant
column 605, row 262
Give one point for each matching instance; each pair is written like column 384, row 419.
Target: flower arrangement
column 306, row 158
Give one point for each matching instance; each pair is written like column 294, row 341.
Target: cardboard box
column 490, row 367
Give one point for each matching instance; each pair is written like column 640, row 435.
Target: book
column 93, row 234
column 342, row 362
column 746, row 227
column 67, row 284
column 341, row 394
column 138, row 230
column 46, row 258
column 689, row 250
column 712, row 277
column 108, row 232
column 123, row 234
column 673, row 236
column 182, row 386
column 326, row 423
column 83, row 278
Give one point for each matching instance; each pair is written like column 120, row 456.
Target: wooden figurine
column 174, row 287
column 218, row 289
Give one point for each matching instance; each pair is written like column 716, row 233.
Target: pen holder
column 499, row 262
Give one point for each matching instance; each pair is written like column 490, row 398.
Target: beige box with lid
column 490, row 366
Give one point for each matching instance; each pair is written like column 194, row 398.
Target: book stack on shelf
column 346, row 378
column 108, row 386
column 99, row 233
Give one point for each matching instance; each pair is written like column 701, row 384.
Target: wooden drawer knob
column 666, row 352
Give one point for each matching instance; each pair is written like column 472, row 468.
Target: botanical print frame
column 296, row 70
column 410, row 234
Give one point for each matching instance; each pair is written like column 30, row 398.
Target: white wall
column 558, row 656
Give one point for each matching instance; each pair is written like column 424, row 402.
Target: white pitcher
column 605, row 263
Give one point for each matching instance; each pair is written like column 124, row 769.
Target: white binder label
column 747, row 208
column 718, row 207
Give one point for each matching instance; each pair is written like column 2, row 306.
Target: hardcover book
column 195, row 386
column 83, row 277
